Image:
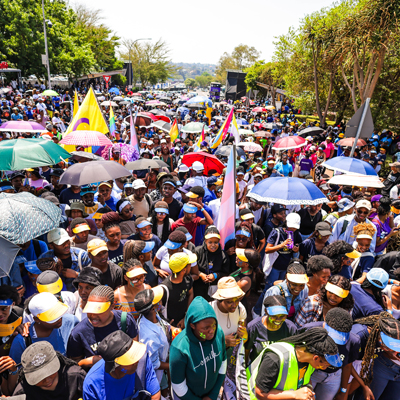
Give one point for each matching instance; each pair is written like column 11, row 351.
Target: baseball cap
column 377, row 197
column 185, row 188
column 95, row 246
column 57, row 172
column 58, row 236
column 183, row 168
column 189, row 209
column 395, row 164
column 363, row 204
column 178, row 261
column 119, row 348
column 378, row 277
column 212, row 180
column 198, row 166
column 323, row 228
column 39, row 361
column 246, row 214
column 293, row 220
column 88, row 189
column 49, row 281
column 46, row 307
column 345, row 204
column 138, row 183
column 277, row 208
column 31, row 267
column 142, row 222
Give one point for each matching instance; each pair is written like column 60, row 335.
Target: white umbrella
column 107, row 103
column 118, row 98
column 357, row 180
column 251, row 147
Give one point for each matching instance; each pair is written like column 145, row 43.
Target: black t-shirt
column 117, row 256
column 174, row 208
column 178, row 298
column 308, row 222
column 113, row 277
column 391, row 180
column 260, row 337
column 349, row 352
column 67, row 262
column 269, row 372
column 6, row 341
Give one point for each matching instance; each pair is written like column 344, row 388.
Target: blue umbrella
column 288, row 191
column 349, row 164
column 200, row 100
column 114, row 90
column 241, row 121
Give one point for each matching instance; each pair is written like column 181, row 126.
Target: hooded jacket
column 197, row 367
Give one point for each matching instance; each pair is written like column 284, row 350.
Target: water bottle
column 290, row 236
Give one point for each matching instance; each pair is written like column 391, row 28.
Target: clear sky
column 201, row 31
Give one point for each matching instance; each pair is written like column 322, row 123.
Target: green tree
column 190, row 82
column 204, row 79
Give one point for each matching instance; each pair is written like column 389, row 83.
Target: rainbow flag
column 174, row 132
column 226, row 219
column 201, row 139
column 223, row 131
column 134, row 139
column 113, row 127
column 235, row 129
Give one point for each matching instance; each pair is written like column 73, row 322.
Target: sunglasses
column 362, row 212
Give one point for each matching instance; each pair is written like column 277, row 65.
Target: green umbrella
column 29, row 153
column 52, row 93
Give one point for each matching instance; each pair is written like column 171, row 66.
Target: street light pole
column 130, row 65
column 45, row 44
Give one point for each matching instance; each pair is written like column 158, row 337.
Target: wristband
column 391, row 282
column 215, row 275
column 343, row 390
column 14, row 372
column 390, row 311
column 202, row 209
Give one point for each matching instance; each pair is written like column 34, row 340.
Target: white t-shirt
column 229, row 322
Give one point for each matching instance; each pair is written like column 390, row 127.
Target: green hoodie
column 197, row 368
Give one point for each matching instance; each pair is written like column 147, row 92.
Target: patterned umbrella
column 8, row 252
column 25, row 216
column 86, row 138
column 289, row 142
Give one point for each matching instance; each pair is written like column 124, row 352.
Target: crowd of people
column 133, row 295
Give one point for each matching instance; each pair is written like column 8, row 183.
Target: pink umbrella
column 289, row 142
column 136, row 94
column 86, row 138
column 259, row 109
column 21, row 126
column 250, row 147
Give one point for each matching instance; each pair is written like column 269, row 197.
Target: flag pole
column 364, row 114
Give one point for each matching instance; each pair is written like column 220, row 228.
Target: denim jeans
column 326, row 385
column 386, row 381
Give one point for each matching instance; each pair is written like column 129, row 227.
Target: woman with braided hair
column 283, row 370
column 379, row 334
column 364, row 233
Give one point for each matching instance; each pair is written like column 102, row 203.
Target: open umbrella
column 114, row 90
column 157, row 112
column 350, row 141
column 357, row 180
column 245, row 131
column 225, row 151
column 201, row 100
column 92, row 172
column 142, row 119
column 351, row 165
column 8, row 252
column 259, row 109
column 21, row 126
column 241, row 121
column 50, row 93
column 270, row 107
column 118, row 98
column 209, row 161
column 143, row 163
column 289, row 142
column 250, row 147
column 193, row 127
column 164, row 126
column 312, row 131
column 86, row 138
column 107, row 103
column 25, row 216
column 83, row 156
column 287, row 191
column 263, row 134
column 270, row 125
column 29, row 153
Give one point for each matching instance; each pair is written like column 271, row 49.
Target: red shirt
column 191, row 226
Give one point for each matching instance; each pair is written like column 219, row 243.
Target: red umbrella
column 349, row 142
column 259, row 109
column 162, row 118
column 86, row 138
column 209, row 161
column 289, row 142
column 257, row 124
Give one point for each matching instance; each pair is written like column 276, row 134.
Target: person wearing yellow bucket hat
column 178, row 288
column 125, row 371
column 101, row 320
column 52, row 323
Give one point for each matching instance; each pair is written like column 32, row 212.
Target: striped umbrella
column 86, row 138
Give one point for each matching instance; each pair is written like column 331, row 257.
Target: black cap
column 144, row 300
column 16, row 174
column 89, row 275
column 57, row 172
column 277, row 208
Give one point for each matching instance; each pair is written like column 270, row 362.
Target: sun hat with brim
column 334, row 360
column 392, row 343
column 277, row 310
column 47, row 308
column 240, row 255
column 172, row 245
column 135, row 272
column 297, row 278
column 323, row 228
column 353, row 254
column 39, row 361
column 96, row 307
column 228, row 289
column 96, row 246
column 81, row 228
column 212, row 235
column 178, row 261
column 378, row 277
column 149, row 246
column 189, row 209
column 49, row 281
column 77, row 206
column 345, row 204
column 338, row 337
column 32, row 268
column 88, row 275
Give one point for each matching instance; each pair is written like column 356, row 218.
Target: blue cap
column 32, row 267
column 212, row 180
column 334, row 360
column 162, row 210
column 6, row 303
column 242, row 232
column 380, row 275
column 393, row 344
column 277, row 310
column 148, row 247
column 172, row 245
column 337, row 336
column 188, row 236
column 144, row 224
column 190, row 209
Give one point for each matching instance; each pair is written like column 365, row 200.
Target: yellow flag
column 208, row 114
column 76, row 103
column 89, row 117
column 174, row 131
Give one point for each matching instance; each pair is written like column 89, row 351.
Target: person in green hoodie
column 197, row 355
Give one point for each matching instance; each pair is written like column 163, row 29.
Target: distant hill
column 191, row 70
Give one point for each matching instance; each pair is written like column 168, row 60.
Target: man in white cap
column 198, row 179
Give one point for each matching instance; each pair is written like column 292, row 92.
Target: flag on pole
column 76, row 104
column 222, row 132
column 134, row 139
column 88, row 117
column 113, row 127
column 200, row 141
column 174, row 131
column 235, row 130
column 226, row 219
